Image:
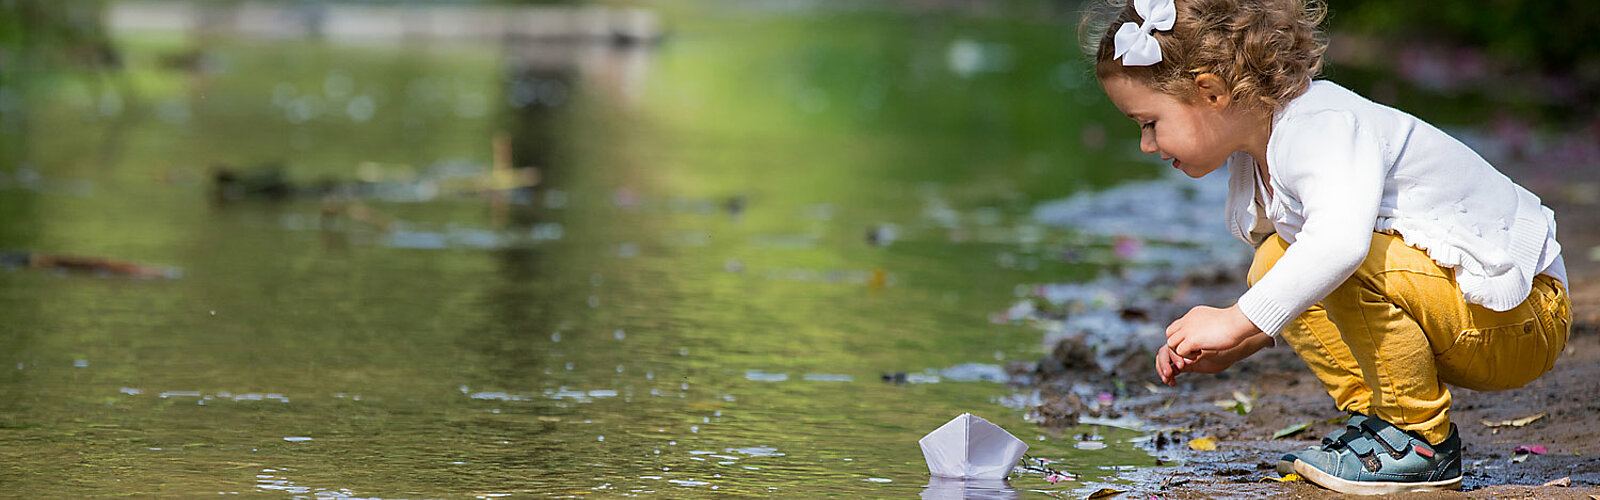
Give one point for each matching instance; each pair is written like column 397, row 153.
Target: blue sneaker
column 1373, row 457
column 1341, row 437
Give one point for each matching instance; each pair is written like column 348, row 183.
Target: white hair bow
column 1134, row 42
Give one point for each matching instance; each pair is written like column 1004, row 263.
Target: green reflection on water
column 655, row 327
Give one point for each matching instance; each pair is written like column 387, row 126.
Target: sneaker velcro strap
column 1397, row 441
column 1341, row 437
column 1350, row 431
column 1363, row 447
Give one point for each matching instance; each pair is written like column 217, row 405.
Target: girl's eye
column 1150, row 125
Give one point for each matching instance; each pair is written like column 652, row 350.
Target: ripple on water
column 688, row 482
column 250, row 396
column 974, row 372
column 758, row 451
column 761, row 376
column 271, row 482
column 827, row 377
column 496, row 396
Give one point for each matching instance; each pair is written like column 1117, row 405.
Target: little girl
column 1390, row 256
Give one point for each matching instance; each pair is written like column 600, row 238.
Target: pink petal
column 1537, row 449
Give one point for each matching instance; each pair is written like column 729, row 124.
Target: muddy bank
column 1099, row 337
column 1288, row 394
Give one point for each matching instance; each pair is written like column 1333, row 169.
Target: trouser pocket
column 1514, row 351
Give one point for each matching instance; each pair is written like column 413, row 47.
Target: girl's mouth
column 1177, row 164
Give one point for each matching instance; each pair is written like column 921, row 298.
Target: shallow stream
column 732, row 237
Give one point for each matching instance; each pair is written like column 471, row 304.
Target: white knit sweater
column 1341, row 166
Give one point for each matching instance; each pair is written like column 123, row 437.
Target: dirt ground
column 1287, row 394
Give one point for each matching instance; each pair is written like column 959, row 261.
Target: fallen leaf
column 1203, row 444
column 1537, row 449
column 1519, row 422
column 1291, row 430
column 1286, row 478
column 1104, row 493
column 1056, row 478
column 1240, row 403
column 1236, row 406
column 1520, row 458
column 1563, row 482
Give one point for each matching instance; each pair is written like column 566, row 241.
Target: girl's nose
column 1147, row 143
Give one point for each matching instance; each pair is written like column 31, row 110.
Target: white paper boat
column 970, row 447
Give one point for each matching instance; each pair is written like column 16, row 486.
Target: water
column 732, row 238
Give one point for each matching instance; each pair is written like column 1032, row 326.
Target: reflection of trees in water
column 42, row 41
column 38, row 40
column 543, row 82
column 540, row 80
column 40, row 36
column 535, row 287
column 55, row 32
column 542, row 77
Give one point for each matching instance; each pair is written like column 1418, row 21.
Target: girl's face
column 1197, row 136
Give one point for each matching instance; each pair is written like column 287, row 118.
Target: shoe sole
column 1343, row 485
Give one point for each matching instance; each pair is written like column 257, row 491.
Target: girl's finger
column 1186, row 349
column 1175, row 339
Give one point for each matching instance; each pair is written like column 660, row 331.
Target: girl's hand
column 1208, row 329
column 1169, row 364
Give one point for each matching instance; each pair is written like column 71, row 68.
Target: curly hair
column 1266, row 51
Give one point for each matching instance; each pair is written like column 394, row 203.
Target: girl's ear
column 1212, row 90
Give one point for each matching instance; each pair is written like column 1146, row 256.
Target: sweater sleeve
column 1331, row 172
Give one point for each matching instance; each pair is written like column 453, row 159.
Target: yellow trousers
column 1388, row 339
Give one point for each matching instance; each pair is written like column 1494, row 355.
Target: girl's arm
column 1332, row 175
